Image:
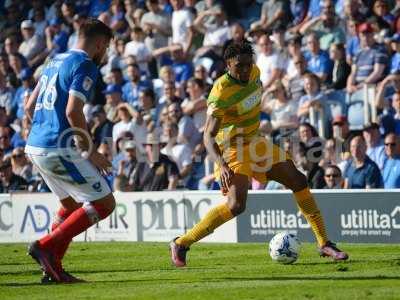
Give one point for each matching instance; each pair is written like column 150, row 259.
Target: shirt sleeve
column 215, row 106
column 83, row 81
column 374, row 177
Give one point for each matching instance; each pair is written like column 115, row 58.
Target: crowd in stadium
column 319, row 60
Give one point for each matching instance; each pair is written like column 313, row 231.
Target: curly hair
column 238, row 48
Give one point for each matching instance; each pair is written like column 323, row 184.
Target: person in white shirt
column 138, row 49
column 130, row 121
column 270, row 63
column 179, row 153
column 182, row 25
column 33, row 45
column 196, row 104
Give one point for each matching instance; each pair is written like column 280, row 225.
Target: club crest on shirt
column 87, row 83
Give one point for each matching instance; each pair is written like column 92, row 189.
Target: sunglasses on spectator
column 17, row 155
column 332, row 175
column 5, row 137
column 390, row 144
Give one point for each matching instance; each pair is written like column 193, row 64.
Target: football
column 284, row 248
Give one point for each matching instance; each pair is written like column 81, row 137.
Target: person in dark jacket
column 341, row 70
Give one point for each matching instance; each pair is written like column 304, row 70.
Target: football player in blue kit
column 73, row 174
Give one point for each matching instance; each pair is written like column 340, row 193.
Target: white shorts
column 71, row 175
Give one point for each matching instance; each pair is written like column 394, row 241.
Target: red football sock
column 61, row 216
column 80, row 220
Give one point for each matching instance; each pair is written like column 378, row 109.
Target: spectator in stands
column 10, row 182
column 158, row 172
column 201, row 73
column 216, row 33
column 166, row 74
column 138, row 49
column 8, row 72
column 341, row 70
column 395, row 59
column 294, row 50
column 126, row 167
column 113, row 94
column 391, row 167
column 23, row 92
column 56, row 38
column 362, row 172
column 11, row 47
column 274, row 12
column 147, row 108
column 333, row 177
column 6, row 95
column 375, row 147
column 313, row 97
column 33, row 45
column 183, row 68
column 131, row 89
column 188, row 133
column 68, row 12
column 77, row 21
column 370, row 62
column 182, row 26
column 237, row 34
column 381, row 10
column 101, row 129
column 195, row 105
column 318, row 61
column 39, row 21
column 353, row 41
column 131, row 120
column 309, row 157
column 157, row 25
column 180, row 154
column 295, row 85
column 327, row 27
column 282, row 111
column 169, row 96
column 118, row 23
column 270, row 63
column 20, row 165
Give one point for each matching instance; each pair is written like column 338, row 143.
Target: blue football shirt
column 68, row 73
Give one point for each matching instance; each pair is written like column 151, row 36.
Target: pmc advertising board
column 357, row 216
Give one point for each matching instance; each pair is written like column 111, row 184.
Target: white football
column 284, row 248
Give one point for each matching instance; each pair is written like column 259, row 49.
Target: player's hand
column 226, row 177
column 100, row 161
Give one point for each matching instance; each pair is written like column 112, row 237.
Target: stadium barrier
column 350, row 215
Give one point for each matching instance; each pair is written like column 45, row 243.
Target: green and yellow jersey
column 237, row 105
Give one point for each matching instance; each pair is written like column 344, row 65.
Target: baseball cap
column 365, row 27
column 371, row 125
column 112, row 88
column 26, row 24
column 339, row 119
column 25, row 74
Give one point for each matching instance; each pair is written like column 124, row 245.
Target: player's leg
column 217, row 216
column 82, row 182
column 287, row 174
column 68, row 206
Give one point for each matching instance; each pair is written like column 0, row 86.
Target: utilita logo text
column 371, row 219
column 277, row 219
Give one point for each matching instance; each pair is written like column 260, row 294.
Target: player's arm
column 212, row 126
column 29, row 106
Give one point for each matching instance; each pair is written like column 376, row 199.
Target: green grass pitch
column 216, row 271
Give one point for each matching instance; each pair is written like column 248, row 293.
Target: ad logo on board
column 370, row 222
